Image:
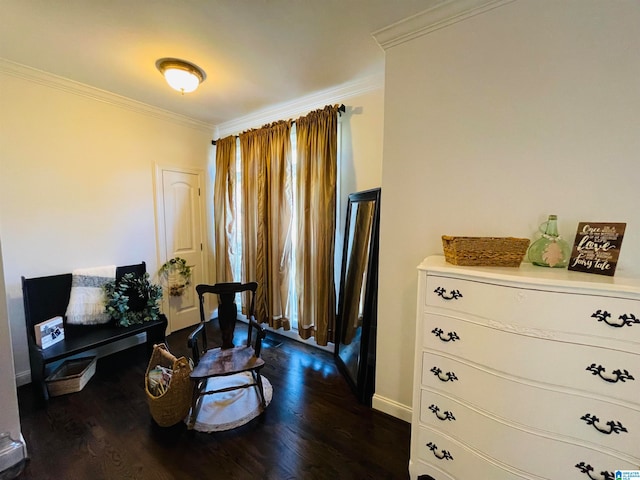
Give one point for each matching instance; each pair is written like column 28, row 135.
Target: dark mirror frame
column 363, row 382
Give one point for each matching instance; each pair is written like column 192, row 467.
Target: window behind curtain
column 236, row 257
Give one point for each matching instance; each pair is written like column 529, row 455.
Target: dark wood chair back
column 227, row 316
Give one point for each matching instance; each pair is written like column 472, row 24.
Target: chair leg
column 196, row 402
column 258, row 380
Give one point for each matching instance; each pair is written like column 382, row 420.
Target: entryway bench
column 47, row 297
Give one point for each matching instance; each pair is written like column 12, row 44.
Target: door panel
column 183, row 238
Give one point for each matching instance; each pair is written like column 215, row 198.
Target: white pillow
column 87, row 301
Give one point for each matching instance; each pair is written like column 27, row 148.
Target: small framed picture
column 597, row 247
column 49, row 332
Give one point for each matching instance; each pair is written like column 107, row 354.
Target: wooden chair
column 226, row 359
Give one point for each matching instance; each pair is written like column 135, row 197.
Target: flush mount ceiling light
column 180, row 75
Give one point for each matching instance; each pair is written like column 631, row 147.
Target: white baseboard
column 391, row 407
column 23, row 378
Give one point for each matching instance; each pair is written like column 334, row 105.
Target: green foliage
column 144, row 293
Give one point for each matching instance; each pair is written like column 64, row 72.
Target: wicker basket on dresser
column 525, row 373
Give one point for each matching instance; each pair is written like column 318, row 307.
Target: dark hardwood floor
column 313, row 428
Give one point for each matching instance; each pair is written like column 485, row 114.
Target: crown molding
column 301, row 106
column 76, row 88
column 441, row 14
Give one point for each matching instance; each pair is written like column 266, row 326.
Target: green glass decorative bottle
column 550, row 250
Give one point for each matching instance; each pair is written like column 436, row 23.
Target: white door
column 183, row 235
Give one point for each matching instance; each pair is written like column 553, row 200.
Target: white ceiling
column 256, row 53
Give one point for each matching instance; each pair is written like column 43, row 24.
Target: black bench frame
column 47, row 297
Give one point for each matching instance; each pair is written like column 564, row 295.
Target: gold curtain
column 317, row 145
column 224, row 201
column 267, row 219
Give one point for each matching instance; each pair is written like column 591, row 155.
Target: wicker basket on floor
column 173, row 405
column 487, row 251
column 71, row 376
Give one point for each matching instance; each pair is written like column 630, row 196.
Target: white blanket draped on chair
column 227, row 410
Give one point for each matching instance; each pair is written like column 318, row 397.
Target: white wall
column 9, row 415
column 493, row 123
column 361, row 143
column 77, row 182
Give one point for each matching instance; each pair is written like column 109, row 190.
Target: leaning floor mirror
column 355, row 345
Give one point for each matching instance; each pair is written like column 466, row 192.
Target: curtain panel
column 267, row 219
column 266, row 213
column 316, row 173
column 224, row 211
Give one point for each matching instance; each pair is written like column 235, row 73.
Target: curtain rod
column 341, row 109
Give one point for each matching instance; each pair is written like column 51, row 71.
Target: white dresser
column 526, row 372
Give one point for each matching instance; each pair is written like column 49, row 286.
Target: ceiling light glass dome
column 182, row 76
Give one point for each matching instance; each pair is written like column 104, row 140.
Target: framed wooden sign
column 597, row 247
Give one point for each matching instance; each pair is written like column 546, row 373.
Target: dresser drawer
column 515, row 447
column 595, row 318
column 457, row 460
column 419, row 470
column 542, row 410
column 538, row 359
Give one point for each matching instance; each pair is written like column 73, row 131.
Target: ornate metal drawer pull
column 450, row 376
column 453, row 336
column 614, row 427
column 453, row 295
column 444, row 455
column 621, row 375
column 627, row 320
column 586, row 468
column 447, row 415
